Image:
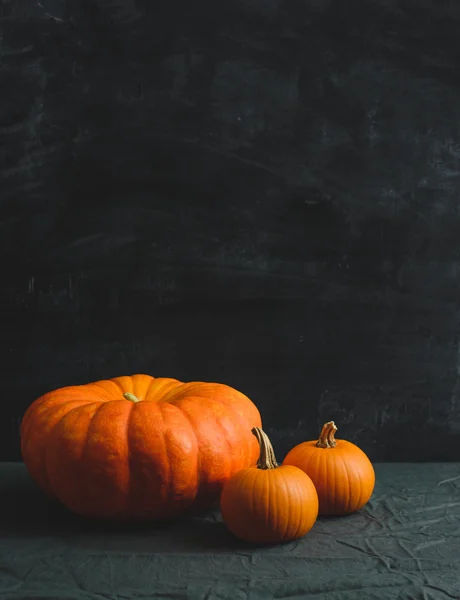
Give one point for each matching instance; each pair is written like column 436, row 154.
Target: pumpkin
column 342, row 473
column 269, row 504
column 138, row 446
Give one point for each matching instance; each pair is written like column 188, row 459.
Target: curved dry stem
column 131, row 397
column 326, row 438
column 267, row 459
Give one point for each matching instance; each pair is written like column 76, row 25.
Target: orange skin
column 104, row 455
column 343, row 475
column 269, row 506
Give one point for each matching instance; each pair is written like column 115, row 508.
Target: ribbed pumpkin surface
column 102, row 454
column 342, row 473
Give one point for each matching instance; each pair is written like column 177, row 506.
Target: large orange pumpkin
column 342, row 473
column 269, row 504
column 138, row 446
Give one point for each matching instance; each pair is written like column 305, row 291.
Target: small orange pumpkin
column 139, row 446
column 269, row 504
column 342, row 473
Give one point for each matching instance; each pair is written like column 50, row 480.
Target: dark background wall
column 256, row 192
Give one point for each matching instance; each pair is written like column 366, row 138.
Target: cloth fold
column 404, row 544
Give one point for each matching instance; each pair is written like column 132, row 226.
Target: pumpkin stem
column 326, row 438
column 267, row 459
column 131, row 397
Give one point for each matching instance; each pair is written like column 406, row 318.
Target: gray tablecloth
column 405, row 544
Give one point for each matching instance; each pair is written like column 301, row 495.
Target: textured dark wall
column 257, row 192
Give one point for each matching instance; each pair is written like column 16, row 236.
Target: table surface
column 405, row 544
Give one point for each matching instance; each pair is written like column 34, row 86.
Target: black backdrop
column 256, row 192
